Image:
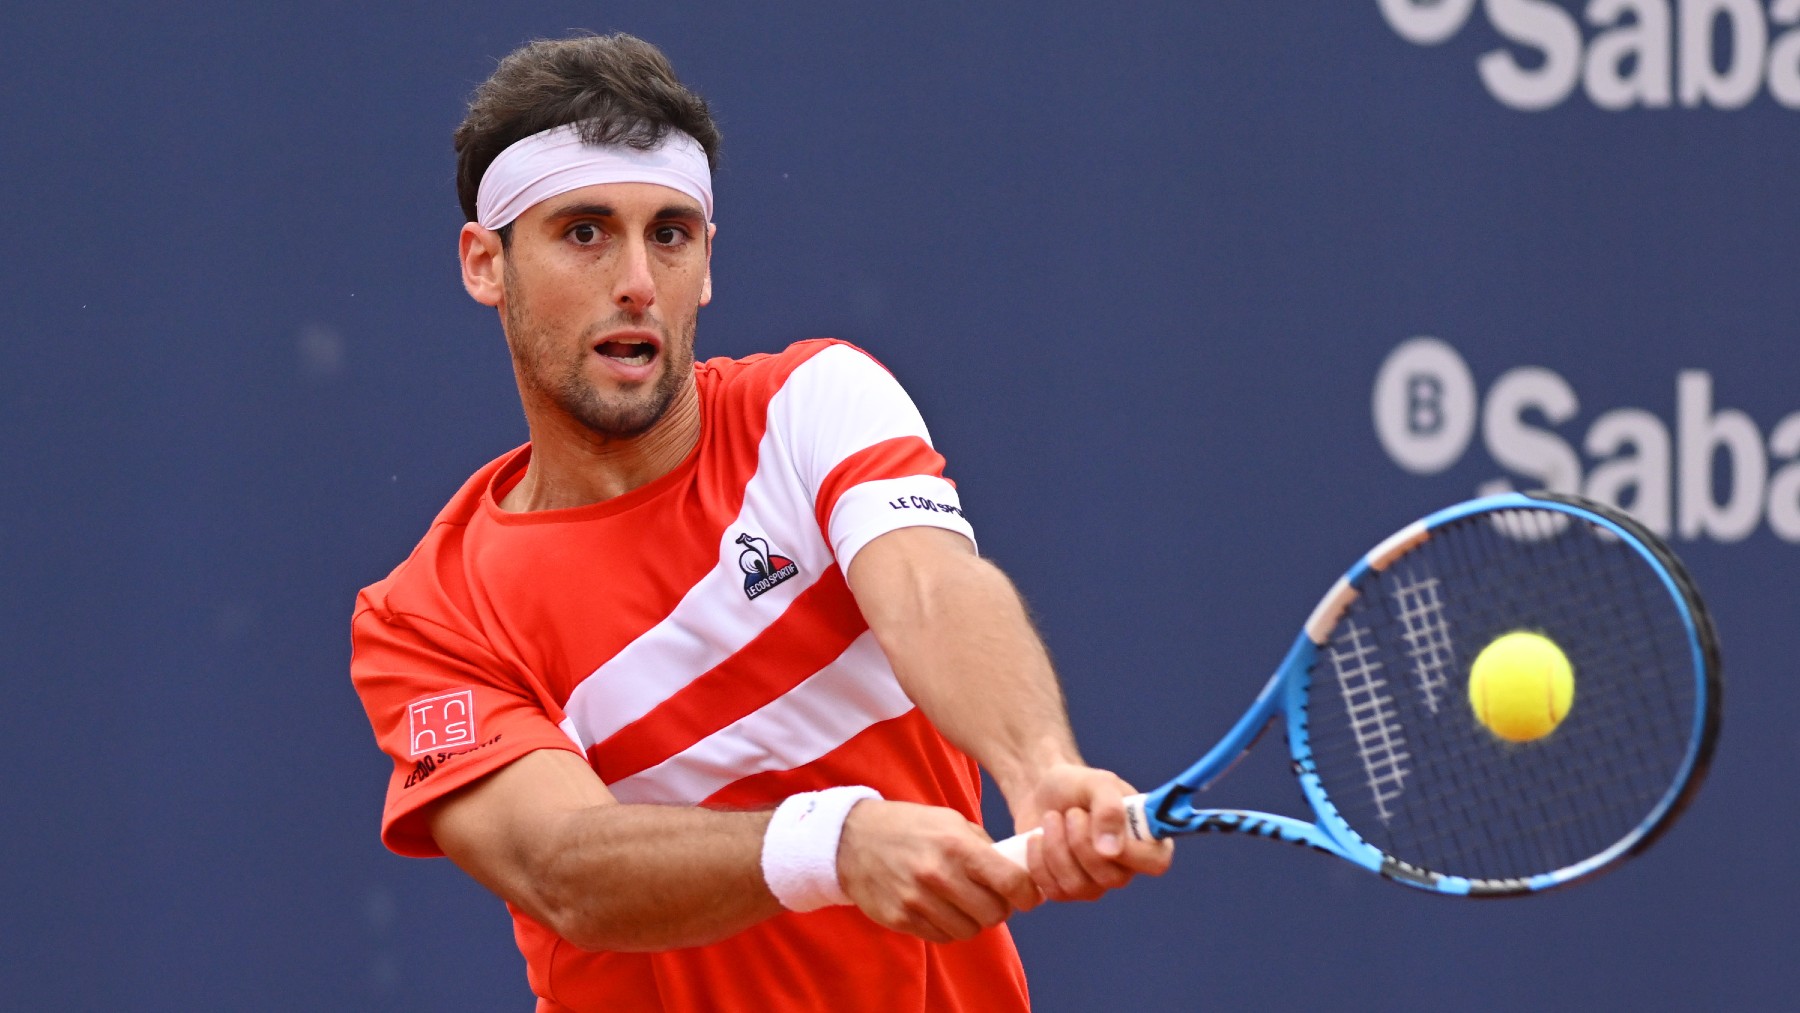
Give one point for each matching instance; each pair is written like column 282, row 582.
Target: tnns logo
column 762, row 568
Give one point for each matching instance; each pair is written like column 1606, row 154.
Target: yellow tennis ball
column 1521, row 686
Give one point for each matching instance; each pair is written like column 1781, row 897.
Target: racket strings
column 1570, row 804
column 1604, row 779
column 1399, row 750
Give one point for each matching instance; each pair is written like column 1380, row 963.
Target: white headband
column 557, row 160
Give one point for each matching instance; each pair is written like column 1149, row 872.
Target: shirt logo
column 446, row 721
column 762, row 569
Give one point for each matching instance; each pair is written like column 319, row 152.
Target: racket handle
column 1013, row 848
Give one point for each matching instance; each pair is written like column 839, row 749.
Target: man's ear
column 483, row 264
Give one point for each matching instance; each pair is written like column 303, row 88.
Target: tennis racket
column 1405, row 780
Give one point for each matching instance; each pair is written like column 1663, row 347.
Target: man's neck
column 572, row 466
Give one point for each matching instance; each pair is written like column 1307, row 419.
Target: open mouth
column 630, row 353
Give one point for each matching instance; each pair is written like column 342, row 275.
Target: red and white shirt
column 695, row 641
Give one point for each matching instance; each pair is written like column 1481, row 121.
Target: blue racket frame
column 1169, row 810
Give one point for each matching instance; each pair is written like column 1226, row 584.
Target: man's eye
column 584, row 234
column 669, row 235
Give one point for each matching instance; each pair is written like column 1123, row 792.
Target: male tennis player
column 693, row 679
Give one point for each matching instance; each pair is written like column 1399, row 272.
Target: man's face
column 602, row 286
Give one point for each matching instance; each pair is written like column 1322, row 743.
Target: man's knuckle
column 934, row 876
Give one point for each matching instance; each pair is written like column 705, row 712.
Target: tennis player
column 698, row 678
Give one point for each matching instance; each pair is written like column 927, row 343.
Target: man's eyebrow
column 583, row 209
column 681, row 212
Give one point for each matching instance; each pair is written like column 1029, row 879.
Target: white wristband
column 799, row 852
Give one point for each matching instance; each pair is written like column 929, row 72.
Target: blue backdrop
column 1141, row 266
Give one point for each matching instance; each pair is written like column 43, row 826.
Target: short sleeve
column 444, row 710
column 862, row 451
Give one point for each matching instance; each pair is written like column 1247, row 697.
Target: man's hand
column 929, row 872
column 1085, row 849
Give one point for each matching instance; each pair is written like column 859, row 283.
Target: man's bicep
column 502, row 828
column 896, row 575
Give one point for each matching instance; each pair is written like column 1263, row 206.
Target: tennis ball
column 1521, row 686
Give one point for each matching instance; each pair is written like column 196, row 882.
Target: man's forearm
column 957, row 634
column 643, row 877
column 546, row 835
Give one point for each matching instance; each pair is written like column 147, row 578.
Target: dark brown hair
column 620, row 89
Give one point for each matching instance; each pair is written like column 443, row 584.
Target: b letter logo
column 441, row 722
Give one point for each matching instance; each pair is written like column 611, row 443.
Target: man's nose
column 634, row 289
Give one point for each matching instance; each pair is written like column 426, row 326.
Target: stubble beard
column 623, row 414
column 620, row 415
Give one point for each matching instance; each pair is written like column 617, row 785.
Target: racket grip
column 1014, row 847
